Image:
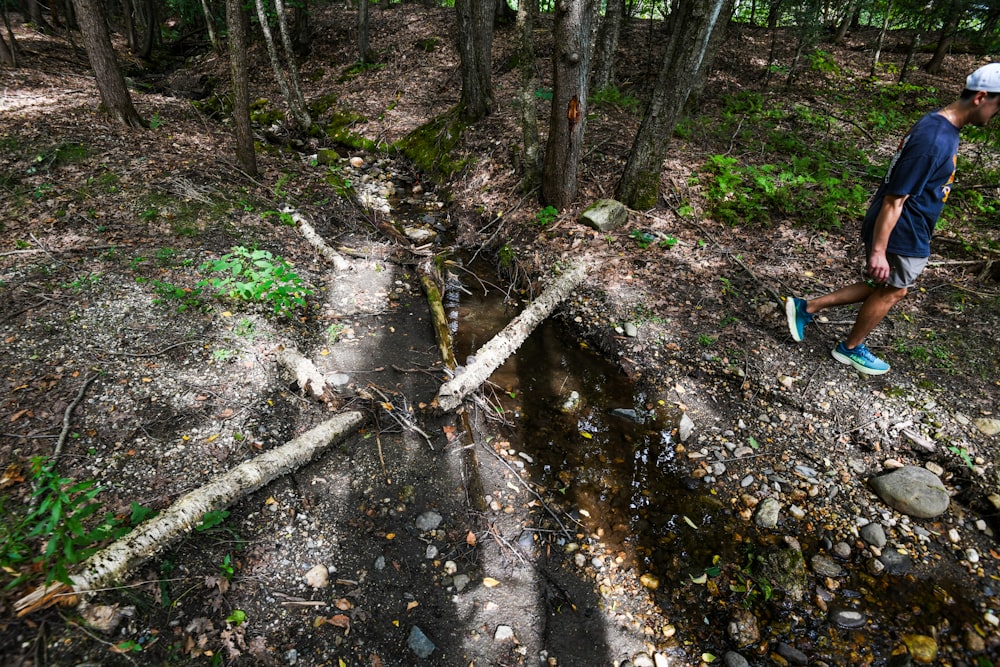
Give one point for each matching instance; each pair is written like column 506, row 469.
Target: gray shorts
column 903, row 271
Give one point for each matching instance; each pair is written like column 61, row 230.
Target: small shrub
column 256, row 275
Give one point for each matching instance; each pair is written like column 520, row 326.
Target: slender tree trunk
column 9, row 57
column 904, row 71
column 364, row 55
column 881, row 38
column 773, row 14
column 210, row 25
column 6, row 54
column 568, row 117
column 302, row 35
column 152, row 29
column 607, row 45
column 530, row 156
column 128, row 16
column 305, row 120
column 110, row 82
column 35, row 16
column 698, row 20
column 236, row 24
column 475, row 48
column 299, row 115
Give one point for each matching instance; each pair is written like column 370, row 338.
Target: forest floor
column 414, row 541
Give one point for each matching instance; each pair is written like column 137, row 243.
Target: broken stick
column 112, row 563
column 490, row 356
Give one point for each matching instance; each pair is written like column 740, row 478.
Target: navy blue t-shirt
column 923, row 168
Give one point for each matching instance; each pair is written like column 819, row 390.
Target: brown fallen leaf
column 340, row 621
column 470, row 539
column 343, row 604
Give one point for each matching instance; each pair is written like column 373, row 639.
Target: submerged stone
column 419, row 643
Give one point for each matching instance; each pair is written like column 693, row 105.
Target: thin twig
column 66, row 417
column 153, row 354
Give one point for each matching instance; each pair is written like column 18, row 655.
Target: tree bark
column 305, row 120
column 113, row 563
column 128, row 16
column 953, row 14
column 881, row 38
column 530, row 158
column 210, row 25
column 475, row 49
column 110, row 82
column 299, row 115
column 607, row 46
column 688, row 59
column 491, row 355
column 568, row 116
column 364, row 54
column 236, row 22
column 845, row 22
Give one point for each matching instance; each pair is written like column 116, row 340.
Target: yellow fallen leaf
column 411, row 605
column 490, row 582
column 700, row 579
column 588, row 436
column 324, row 352
column 212, row 437
column 390, row 536
column 690, row 523
column 226, row 313
column 396, row 623
column 270, row 501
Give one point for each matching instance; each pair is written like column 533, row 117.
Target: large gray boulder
column 912, row 490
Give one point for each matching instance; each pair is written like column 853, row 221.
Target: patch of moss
column 260, row 114
column 429, row 44
column 338, row 130
column 357, row 69
column 432, row 146
column 215, row 106
column 322, row 104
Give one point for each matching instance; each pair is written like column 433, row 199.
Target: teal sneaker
column 798, row 318
column 861, row 358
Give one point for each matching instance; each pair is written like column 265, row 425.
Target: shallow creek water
column 592, row 436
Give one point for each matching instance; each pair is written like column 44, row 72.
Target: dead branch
column 309, row 232
column 66, row 417
column 495, row 352
column 112, row 563
column 307, row 376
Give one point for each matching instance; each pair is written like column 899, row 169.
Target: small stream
column 594, row 437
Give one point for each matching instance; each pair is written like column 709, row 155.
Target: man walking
column 900, row 221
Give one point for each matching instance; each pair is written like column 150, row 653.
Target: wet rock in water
column 842, row 550
column 604, row 215
column 419, row 643
column 786, row 570
column 873, row 534
column 791, row 654
column 923, row 648
column 847, row 618
column 767, row 512
column 627, row 413
column 896, row 563
column 825, row 566
column 734, row 659
column 912, row 490
column 428, row 521
column 743, row 628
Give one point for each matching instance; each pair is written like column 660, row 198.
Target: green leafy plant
column 184, row 296
column 546, row 216
column 705, row 340
column 611, row 96
column 62, row 527
column 962, row 453
column 256, row 275
column 156, row 122
column 226, row 567
column 222, row 355
column 334, row 332
column 211, row 520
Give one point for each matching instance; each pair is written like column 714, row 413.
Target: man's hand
column 878, row 267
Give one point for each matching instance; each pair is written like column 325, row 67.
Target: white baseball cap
column 985, row 78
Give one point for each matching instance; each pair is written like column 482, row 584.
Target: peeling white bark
column 308, row 377
column 490, row 356
column 112, row 563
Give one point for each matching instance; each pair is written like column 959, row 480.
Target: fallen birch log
column 491, row 355
column 307, row 376
column 115, row 561
column 311, row 235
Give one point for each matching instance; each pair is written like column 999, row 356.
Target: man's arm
column 888, row 216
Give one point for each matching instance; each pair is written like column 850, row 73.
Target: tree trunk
column 149, row 38
column 491, row 355
column 530, row 157
column 607, row 46
column 845, row 22
column 210, row 25
column 881, row 38
column 35, row 16
column 689, row 58
column 299, row 115
column 236, row 24
column 302, row 34
column 110, row 82
column 904, row 71
column 568, row 117
column 948, row 29
column 128, row 16
column 113, row 563
column 475, row 49
column 6, row 54
column 364, row 54
column 305, row 120
column 773, row 14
